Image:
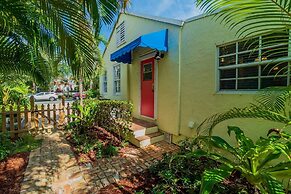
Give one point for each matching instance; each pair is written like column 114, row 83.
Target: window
column 120, row 34
column 116, row 74
column 147, row 72
column 255, row 63
column 105, row 82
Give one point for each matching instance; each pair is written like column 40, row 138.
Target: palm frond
column 272, row 104
column 249, row 16
column 67, row 28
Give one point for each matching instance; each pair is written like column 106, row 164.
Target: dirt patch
column 12, row 173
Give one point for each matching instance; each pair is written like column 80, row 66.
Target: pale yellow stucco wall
column 199, row 96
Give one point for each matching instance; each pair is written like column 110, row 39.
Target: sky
column 176, row 9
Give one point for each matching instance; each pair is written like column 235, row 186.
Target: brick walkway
column 53, row 168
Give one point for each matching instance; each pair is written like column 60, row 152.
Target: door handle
column 153, row 87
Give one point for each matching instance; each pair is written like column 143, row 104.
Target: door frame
column 155, row 89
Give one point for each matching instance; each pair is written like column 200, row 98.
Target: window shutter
column 120, row 34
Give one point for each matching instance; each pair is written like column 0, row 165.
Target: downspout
column 179, row 80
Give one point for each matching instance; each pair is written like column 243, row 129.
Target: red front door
column 147, row 88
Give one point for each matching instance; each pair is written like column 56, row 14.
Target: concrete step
column 144, row 131
column 147, row 140
column 140, row 128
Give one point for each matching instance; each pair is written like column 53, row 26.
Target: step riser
column 146, row 142
column 145, row 131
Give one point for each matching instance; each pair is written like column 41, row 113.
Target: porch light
column 159, row 55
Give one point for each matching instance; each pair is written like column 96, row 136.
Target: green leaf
column 211, row 177
column 281, row 170
column 219, row 143
column 244, row 143
column 273, row 186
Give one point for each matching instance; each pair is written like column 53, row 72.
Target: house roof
column 159, row 19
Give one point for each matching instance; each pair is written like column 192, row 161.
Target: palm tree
column 60, row 28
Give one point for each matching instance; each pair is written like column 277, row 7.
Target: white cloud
column 177, row 9
column 163, row 6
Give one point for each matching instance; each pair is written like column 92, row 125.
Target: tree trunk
column 91, row 84
column 81, row 90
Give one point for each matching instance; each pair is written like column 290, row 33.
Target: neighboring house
column 177, row 73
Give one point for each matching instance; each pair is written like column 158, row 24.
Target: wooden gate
column 35, row 117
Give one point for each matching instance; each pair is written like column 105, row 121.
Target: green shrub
column 179, row 174
column 6, row 145
column 23, row 144
column 182, row 173
column 114, row 116
column 93, row 93
column 110, row 150
column 208, row 164
column 26, row 144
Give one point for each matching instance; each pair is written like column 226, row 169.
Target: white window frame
column 120, row 34
column 116, row 79
column 105, row 82
column 236, row 66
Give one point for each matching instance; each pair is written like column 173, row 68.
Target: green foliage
column 33, row 32
column 84, row 119
column 26, row 144
column 182, row 173
column 250, row 16
column 23, row 144
column 272, row 104
column 93, row 93
column 256, row 161
column 110, row 150
column 5, row 146
column 13, row 94
column 114, row 116
column 85, row 143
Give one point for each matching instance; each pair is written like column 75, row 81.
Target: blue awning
column 156, row 40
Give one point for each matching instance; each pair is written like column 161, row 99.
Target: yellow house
column 177, row 73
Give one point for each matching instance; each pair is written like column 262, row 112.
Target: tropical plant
column 65, row 29
column 84, row 119
column 13, row 91
column 256, row 161
column 250, row 17
column 272, row 104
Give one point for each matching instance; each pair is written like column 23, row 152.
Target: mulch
column 107, row 138
column 138, row 182
column 12, row 173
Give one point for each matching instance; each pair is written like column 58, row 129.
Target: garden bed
column 108, row 145
column 140, row 182
column 146, row 182
column 12, row 172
